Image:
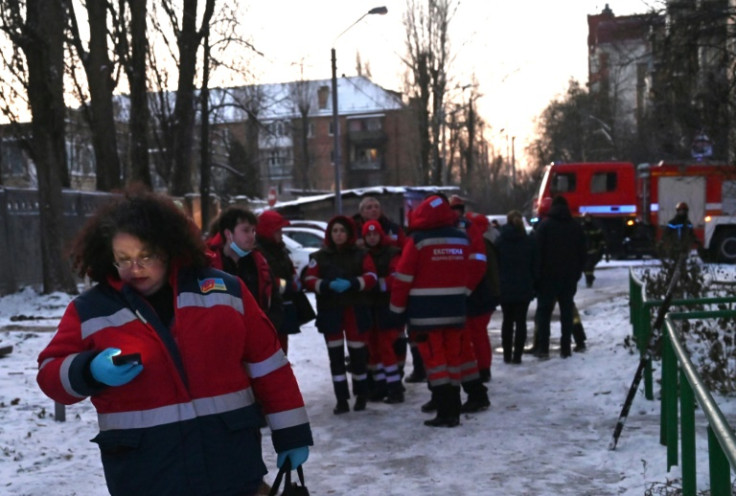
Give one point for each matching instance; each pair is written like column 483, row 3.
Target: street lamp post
column 337, row 158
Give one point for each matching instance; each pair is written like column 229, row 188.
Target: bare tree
column 188, row 39
column 132, row 50
column 428, row 57
column 40, row 36
column 99, row 69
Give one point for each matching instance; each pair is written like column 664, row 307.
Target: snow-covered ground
column 546, row 433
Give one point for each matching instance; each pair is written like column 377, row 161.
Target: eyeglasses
column 142, row 262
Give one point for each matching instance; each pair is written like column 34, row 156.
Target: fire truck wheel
column 725, row 247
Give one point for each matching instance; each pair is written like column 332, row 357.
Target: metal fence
column 20, row 232
column 680, row 379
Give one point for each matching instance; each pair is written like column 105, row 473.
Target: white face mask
column 238, row 251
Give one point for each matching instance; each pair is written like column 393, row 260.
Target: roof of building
column 357, row 95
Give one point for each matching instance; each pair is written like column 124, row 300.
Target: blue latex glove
column 106, row 372
column 296, row 456
column 340, row 285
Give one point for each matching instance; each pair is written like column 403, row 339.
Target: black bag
column 304, row 311
column 290, row 488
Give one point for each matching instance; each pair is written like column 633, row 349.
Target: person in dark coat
column 678, row 236
column 296, row 307
column 518, row 267
column 341, row 274
column 561, row 244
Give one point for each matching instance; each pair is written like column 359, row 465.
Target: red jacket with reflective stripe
column 433, row 274
column 196, row 403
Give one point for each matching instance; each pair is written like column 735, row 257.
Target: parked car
column 314, row 224
column 309, row 237
column 299, row 254
column 501, row 219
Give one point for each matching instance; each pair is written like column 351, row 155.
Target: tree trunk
column 188, row 42
column 98, row 68
column 140, row 114
column 44, row 50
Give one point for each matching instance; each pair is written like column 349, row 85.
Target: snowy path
column 546, row 432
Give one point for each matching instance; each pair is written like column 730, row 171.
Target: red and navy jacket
column 346, row 262
column 191, row 417
column 434, row 271
column 385, row 257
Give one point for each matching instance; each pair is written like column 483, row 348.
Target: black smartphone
column 134, row 358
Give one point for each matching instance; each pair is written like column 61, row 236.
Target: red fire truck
column 633, row 204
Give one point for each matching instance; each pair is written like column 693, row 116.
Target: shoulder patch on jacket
column 211, row 284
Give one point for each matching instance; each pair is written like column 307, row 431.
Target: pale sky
column 522, row 54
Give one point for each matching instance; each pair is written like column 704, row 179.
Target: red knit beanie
column 269, row 222
column 373, row 225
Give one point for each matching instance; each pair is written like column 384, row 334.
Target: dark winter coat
column 518, row 264
column 282, row 267
column 677, row 237
column 561, row 245
column 346, row 262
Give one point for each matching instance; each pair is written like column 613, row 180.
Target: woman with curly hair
column 177, row 358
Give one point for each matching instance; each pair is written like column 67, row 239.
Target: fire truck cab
column 606, row 191
column 633, row 205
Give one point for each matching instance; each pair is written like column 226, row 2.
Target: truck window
column 603, row 182
column 562, row 183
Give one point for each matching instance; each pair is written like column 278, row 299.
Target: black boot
column 342, row 407
column 418, row 374
column 477, row 397
column 485, row 374
column 448, row 403
column 395, row 393
column 430, row 406
column 360, row 402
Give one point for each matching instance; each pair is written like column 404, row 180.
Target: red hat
column 371, row 226
column 269, row 222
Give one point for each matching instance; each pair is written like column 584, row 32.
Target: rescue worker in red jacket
column 483, row 300
column 232, row 248
column 430, row 288
column 476, row 344
column 180, row 415
column 383, row 363
column 341, row 274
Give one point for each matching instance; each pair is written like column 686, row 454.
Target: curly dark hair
column 231, row 217
column 152, row 217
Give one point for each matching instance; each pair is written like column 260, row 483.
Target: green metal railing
column 678, row 372
column 680, row 378
column 640, row 317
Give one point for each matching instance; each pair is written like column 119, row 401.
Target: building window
column 365, row 159
column 332, row 128
column 280, row 162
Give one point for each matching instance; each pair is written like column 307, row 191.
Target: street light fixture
column 335, row 118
